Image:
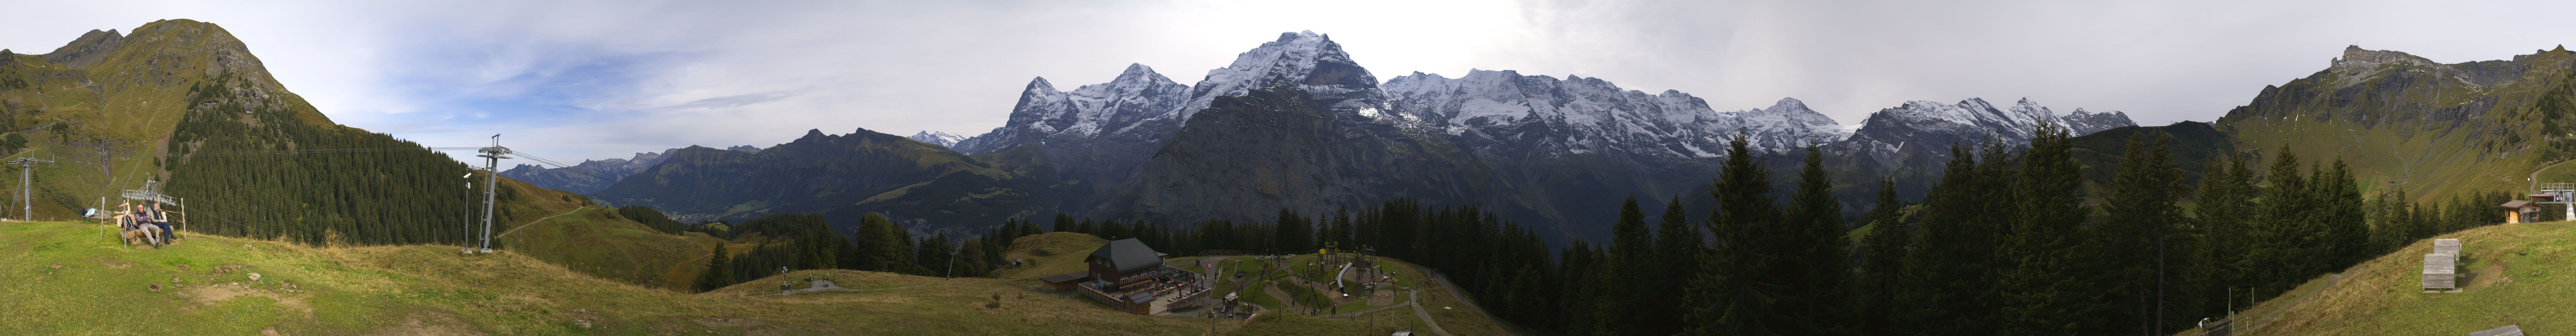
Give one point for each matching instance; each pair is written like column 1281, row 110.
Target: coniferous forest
column 2009, row 236
column 312, row 181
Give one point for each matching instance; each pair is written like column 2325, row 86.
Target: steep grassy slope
column 566, row 229
column 2405, row 121
column 185, row 103
column 102, row 287
column 2514, row 274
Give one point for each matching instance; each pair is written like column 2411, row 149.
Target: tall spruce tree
column 2140, row 225
column 2285, row 243
column 1815, row 296
column 719, row 270
column 1632, row 257
column 2340, row 204
column 2050, row 280
column 1950, row 267
column 1678, row 244
column 2225, row 211
column 1731, row 295
column 1882, row 255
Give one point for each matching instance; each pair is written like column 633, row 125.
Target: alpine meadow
column 1760, row 168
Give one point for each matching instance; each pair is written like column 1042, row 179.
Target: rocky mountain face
column 1087, row 139
column 1908, row 143
column 839, row 176
column 1582, row 139
column 943, row 139
column 1297, row 124
column 588, row 177
column 1919, row 130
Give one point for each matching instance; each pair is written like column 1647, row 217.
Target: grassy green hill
column 2435, row 129
column 566, row 229
column 1047, row 254
column 2512, row 273
column 101, row 287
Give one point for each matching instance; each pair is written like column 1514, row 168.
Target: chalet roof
column 2518, row 204
column 1127, row 255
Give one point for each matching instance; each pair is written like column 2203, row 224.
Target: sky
column 572, row 80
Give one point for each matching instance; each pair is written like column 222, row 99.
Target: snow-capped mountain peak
column 1310, row 61
column 943, row 139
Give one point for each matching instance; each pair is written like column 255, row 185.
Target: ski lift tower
column 492, row 182
column 2562, row 194
column 26, row 189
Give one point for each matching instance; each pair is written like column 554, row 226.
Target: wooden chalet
column 1130, row 276
column 2520, row 211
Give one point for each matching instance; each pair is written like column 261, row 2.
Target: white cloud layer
column 596, row 79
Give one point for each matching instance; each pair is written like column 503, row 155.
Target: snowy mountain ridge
column 943, row 139
column 1601, row 116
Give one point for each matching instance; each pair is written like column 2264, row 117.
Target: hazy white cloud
column 570, row 80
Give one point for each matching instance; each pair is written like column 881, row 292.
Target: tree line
column 2008, row 242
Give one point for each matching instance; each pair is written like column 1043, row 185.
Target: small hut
column 2521, row 211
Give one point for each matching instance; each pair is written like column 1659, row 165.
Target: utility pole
column 491, row 185
column 26, row 190
column 952, row 263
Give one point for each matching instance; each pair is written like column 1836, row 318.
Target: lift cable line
column 319, row 151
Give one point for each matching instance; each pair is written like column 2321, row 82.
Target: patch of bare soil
column 428, row 323
column 209, row 295
column 111, row 263
column 1382, row 297
column 2487, row 276
column 730, row 322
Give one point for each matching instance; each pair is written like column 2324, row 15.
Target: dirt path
column 534, row 222
column 1426, row 315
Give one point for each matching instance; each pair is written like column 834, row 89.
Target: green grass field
column 2513, row 274
column 102, row 288
column 1047, row 254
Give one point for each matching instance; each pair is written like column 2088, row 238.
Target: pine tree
column 1882, row 259
column 1735, row 290
column 1816, row 298
column 878, row 238
column 2339, row 198
column 1678, row 245
column 1632, row 257
column 1949, row 270
column 2140, row 226
column 719, row 270
column 2225, row 207
column 2050, row 281
column 2284, row 244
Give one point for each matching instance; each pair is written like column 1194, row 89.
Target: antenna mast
column 492, row 161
